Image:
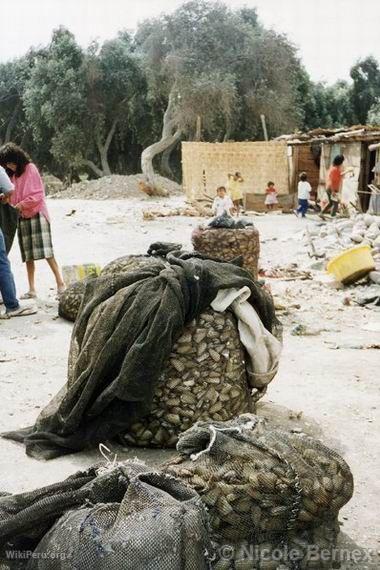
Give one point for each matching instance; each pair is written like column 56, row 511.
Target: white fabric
column 304, row 190
column 221, row 205
column 263, row 348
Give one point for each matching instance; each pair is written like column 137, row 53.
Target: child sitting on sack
column 222, row 203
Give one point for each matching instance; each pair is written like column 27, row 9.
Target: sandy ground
column 336, row 389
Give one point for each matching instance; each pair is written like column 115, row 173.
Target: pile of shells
column 226, row 244
column 311, row 549
column 272, row 483
column 204, row 379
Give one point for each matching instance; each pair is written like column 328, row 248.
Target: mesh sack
column 127, row 517
column 309, row 549
column 259, row 481
column 204, row 379
column 127, row 263
column 227, row 244
column 71, row 299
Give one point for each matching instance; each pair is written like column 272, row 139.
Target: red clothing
column 271, row 190
column 334, row 179
column 29, row 193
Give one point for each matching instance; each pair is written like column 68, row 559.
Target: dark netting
column 123, row 337
column 127, row 264
column 125, row 516
column 261, row 484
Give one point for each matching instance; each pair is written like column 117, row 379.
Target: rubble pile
column 115, row 187
column 330, row 239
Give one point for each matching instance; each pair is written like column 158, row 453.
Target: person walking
column 303, row 190
column 28, row 198
column 7, row 283
column 333, row 186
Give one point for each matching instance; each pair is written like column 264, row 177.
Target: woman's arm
column 33, row 189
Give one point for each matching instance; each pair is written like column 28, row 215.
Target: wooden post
column 198, row 129
column 263, row 122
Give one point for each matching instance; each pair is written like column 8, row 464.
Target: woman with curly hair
column 28, row 198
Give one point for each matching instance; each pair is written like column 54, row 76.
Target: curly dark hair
column 338, row 160
column 10, row 152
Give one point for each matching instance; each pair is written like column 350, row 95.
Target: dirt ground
column 335, row 388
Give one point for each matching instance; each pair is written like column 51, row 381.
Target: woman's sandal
column 28, row 295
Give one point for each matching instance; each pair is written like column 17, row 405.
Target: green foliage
column 366, row 87
column 95, row 110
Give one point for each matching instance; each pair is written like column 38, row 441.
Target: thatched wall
column 205, row 166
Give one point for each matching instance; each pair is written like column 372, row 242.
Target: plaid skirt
column 34, row 237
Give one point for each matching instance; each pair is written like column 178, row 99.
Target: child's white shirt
column 221, row 205
column 304, row 190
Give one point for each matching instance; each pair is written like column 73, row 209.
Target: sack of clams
column 127, row 517
column 308, row 549
column 259, row 483
column 71, row 299
column 204, row 379
column 227, row 244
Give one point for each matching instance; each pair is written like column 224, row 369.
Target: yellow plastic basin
column 352, row 264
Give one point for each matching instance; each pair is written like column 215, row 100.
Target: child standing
column 222, row 203
column 304, row 190
column 271, row 196
column 234, row 187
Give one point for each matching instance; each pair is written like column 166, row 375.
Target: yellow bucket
column 352, row 265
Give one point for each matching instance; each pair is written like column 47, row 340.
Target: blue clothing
column 7, row 283
column 303, row 206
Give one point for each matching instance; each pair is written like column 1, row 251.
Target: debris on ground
column 116, row 187
column 289, row 272
column 191, row 211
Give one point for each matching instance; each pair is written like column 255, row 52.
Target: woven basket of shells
column 204, row 379
column 227, row 244
column 257, row 480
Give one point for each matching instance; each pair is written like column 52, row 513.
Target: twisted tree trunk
column 171, row 134
column 166, row 169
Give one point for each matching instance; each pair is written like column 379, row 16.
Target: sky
column 331, row 34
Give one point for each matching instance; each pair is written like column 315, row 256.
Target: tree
column 114, row 84
column 183, row 58
column 54, row 101
column 366, row 87
column 13, row 78
column 374, row 114
column 208, row 61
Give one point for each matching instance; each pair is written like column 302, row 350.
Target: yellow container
column 352, row 265
column 73, row 273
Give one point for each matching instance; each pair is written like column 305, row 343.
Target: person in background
column 7, row 284
column 271, row 196
column 304, row 190
column 235, row 191
column 222, row 203
column 28, row 198
column 333, row 185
